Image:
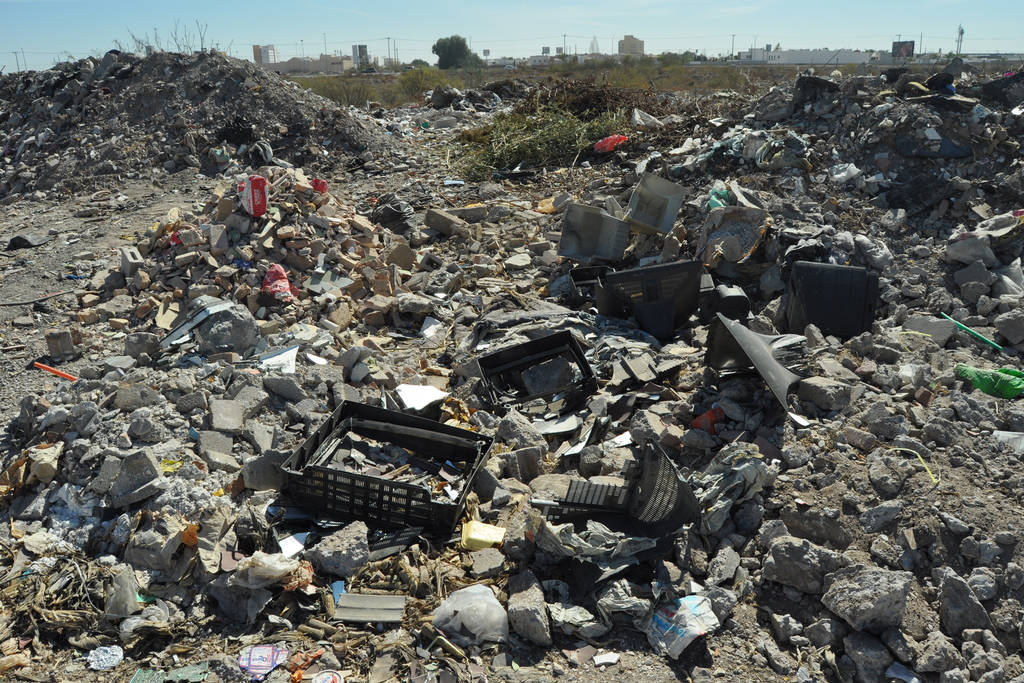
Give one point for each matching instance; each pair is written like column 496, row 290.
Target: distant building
column 631, row 46
column 360, row 56
column 776, row 55
column 264, row 54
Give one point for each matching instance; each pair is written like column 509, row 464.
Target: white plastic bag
column 263, row 569
column 472, row 616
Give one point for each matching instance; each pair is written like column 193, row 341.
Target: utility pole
column 732, row 50
column 959, row 38
column 325, row 43
column 389, row 51
column 23, row 60
column 563, row 45
column 16, row 62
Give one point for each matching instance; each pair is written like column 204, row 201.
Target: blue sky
column 47, row 30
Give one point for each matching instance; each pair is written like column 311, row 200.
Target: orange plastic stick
column 55, row 371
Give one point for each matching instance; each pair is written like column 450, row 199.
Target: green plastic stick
column 976, row 335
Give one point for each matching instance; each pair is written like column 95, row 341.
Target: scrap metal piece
column 590, row 233
column 193, row 321
column 541, row 375
column 365, row 608
column 839, row 300
column 741, row 349
column 657, row 502
column 661, row 297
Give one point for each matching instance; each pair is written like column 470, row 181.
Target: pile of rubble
column 89, row 123
column 737, row 394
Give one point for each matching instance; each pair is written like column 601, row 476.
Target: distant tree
column 675, row 58
column 454, row 52
column 419, row 64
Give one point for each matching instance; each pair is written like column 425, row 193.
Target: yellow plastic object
column 546, row 205
column 477, row 535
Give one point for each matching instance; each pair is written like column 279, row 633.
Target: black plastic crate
column 661, row 297
column 338, row 494
column 839, row 300
column 505, row 383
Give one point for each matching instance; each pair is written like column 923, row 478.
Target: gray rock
column 131, row 397
column 139, row 478
column 646, row 427
column 525, row 464
column 85, row 419
column 253, row 400
column 798, row 563
column 517, row 430
column 527, row 611
column 779, row 661
column 190, row 402
column 826, row 632
column 1011, row 325
column 877, row 518
column 233, row 329
column 215, row 448
column 939, row 329
column 959, row 608
column 723, row 601
column 259, row 435
column 938, row 654
column 723, row 566
column 983, row 582
column 138, row 343
column 785, row 627
column 284, row 386
column 226, row 416
column 487, row 563
column 827, row 394
column 868, row 598
column 343, row 552
column 902, row 647
column 869, row 655
column 264, row 473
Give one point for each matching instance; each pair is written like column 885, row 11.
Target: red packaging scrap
column 609, row 143
column 276, row 283
column 253, row 192
column 319, row 185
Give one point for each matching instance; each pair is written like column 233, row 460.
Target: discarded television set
column 590, row 233
column 420, row 477
column 838, row 300
column 548, row 374
column 661, row 298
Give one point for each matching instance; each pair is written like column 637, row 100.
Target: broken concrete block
column 215, row 448
column 226, row 416
column 445, row 223
column 343, row 552
column 138, row 479
column 827, row 394
column 527, row 611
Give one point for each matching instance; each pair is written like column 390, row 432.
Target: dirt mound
column 70, row 127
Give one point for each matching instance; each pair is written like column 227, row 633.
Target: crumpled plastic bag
column 472, row 616
column 276, row 283
column 154, row 616
column 736, row 473
column 597, row 542
column 263, row 569
column 674, row 624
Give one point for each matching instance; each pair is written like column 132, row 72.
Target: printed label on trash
column 253, row 193
column 675, row 624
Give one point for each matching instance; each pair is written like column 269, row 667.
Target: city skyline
column 76, row 29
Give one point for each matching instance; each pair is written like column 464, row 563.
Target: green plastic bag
column 1001, row 383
